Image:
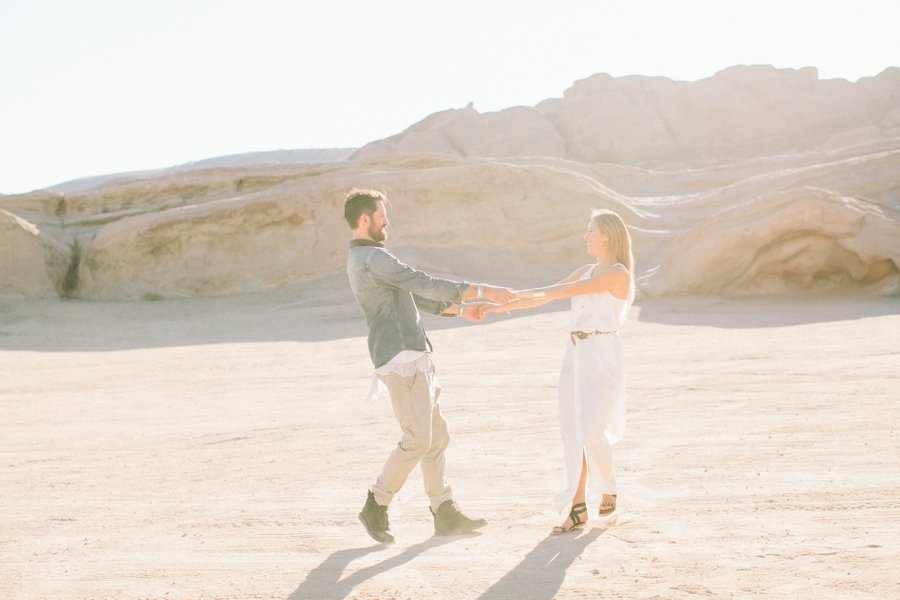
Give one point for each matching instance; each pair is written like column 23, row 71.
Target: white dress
column 592, row 392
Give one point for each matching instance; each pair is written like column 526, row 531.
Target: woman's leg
column 582, row 482
column 578, row 499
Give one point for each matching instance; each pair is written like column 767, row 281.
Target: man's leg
column 412, row 403
column 448, row 520
column 433, row 469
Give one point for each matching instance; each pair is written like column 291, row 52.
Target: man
column 391, row 294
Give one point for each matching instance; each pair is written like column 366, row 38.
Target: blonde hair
column 613, row 227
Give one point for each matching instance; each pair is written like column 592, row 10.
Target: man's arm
column 488, row 292
column 434, row 307
column 387, row 269
column 473, row 311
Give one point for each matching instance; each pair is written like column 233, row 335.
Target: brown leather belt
column 583, row 335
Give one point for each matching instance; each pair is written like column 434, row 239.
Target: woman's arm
column 615, row 281
column 522, row 302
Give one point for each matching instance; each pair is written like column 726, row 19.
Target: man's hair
column 360, row 202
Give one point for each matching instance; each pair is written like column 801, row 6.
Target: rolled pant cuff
column 382, row 497
column 436, row 501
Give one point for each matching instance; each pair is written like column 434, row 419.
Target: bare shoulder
column 616, row 272
column 616, row 280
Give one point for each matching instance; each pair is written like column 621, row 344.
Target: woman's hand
column 497, row 294
column 490, row 307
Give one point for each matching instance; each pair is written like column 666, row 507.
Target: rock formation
column 793, row 190
column 654, row 122
column 805, row 239
column 32, row 263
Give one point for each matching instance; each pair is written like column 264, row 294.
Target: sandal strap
column 576, row 512
column 578, row 509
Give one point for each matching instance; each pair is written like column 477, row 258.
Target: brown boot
column 374, row 518
column 449, row 521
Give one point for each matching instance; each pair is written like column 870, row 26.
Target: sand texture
column 221, row 448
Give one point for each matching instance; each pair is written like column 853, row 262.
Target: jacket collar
column 357, row 243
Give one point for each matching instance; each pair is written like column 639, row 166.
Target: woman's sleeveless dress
column 592, row 392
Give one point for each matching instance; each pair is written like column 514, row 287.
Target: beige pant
column 423, row 441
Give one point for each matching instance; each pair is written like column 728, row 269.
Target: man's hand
column 474, row 311
column 498, row 295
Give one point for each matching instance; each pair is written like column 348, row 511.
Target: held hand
column 490, row 307
column 474, row 311
column 500, row 295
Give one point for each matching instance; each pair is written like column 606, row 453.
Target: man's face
column 378, row 223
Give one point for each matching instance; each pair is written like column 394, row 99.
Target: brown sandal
column 574, row 516
column 607, row 508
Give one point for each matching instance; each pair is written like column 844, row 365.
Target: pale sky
column 90, row 87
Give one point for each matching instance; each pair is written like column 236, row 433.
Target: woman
column 591, row 383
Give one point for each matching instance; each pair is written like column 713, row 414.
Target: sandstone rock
column 32, row 263
column 799, row 194
column 425, row 136
column 495, row 134
column 737, row 114
column 43, row 206
column 798, row 241
column 520, row 222
column 226, row 246
column 462, row 218
column 613, row 120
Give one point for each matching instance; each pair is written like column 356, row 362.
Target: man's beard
column 378, row 235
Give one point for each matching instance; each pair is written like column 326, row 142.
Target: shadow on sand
column 541, row 573
column 303, row 313
column 325, row 583
column 324, row 309
column 742, row 313
column 538, row 576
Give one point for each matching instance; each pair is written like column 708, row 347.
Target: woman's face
column 597, row 241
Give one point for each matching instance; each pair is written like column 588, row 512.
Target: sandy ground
column 222, row 448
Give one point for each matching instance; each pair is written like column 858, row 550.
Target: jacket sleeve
column 432, row 307
column 388, row 270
